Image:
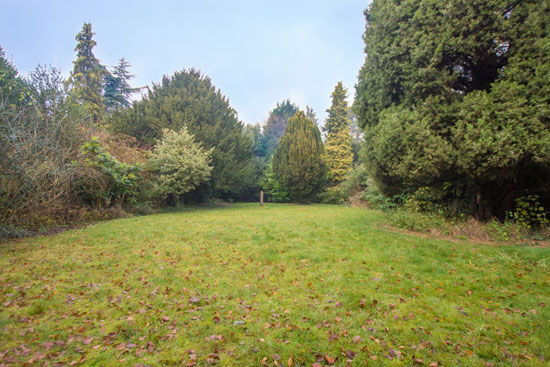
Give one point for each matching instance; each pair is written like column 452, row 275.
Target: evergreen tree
column 276, row 123
column 454, row 96
column 86, row 78
column 298, row 160
column 188, row 99
column 117, row 91
column 338, row 111
column 338, row 151
column 310, row 114
column 338, row 154
column 180, row 164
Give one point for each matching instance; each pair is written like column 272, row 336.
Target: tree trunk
column 262, row 198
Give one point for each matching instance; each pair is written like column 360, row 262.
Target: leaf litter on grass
column 324, row 285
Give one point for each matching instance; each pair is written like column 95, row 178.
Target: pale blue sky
column 257, row 52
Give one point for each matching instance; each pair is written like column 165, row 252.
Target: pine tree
column 298, row 160
column 86, row 78
column 338, row 111
column 117, row 91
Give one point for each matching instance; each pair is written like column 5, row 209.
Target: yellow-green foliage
column 181, row 164
column 338, row 154
column 338, row 151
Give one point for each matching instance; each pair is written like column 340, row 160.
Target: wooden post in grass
column 262, row 198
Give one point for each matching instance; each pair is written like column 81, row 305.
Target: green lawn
column 280, row 285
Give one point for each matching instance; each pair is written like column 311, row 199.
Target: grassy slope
column 248, row 286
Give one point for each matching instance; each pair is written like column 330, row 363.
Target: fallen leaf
column 329, row 359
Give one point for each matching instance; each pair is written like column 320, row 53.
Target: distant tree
column 310, row 114
column 117, row 90
column 357, row 135
column 298, row 160
column 276, row 124
column 259, row 145
column 86, row 78
column 188, row 99
column 180, row 164
column 338, row 111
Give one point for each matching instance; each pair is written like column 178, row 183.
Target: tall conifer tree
column 87, row 76
column 117, row 87
column 338, row 151
column 338, row 111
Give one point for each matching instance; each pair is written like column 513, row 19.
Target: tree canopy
column 188, row 99
column 454, row 95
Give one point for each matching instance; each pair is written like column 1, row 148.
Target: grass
column 282, row 285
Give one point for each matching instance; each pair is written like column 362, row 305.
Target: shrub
column 334, row 195
column 275, row 192
column 356, row 180
column 121, row 179
column 180, row 164
column 418, row 222
column 377, row 200
column 530, row 213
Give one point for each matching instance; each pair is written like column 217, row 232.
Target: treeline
column 80, row 149
column 451, row 116
column 454, row 100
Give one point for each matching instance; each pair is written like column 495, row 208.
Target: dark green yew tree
column 188, row 99
column 455, row 96
column 298, row 160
